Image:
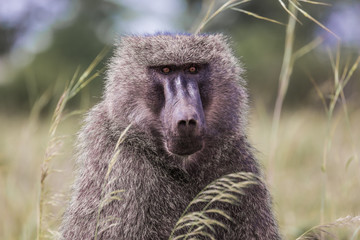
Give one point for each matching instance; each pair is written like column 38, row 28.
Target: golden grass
column 296, row 186
column 54, row 144
column 290, row 56
column 312, row 157
column 224, row 190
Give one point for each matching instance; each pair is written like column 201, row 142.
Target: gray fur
column 158, row 185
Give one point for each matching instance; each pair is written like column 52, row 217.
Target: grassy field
column 310, row 156
column 297, row 181
column 298, row 184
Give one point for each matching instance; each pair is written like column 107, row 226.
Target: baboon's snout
column 187, row 122
column 188, row 133
column 187, row 118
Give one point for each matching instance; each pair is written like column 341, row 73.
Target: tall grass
column 223, row 190
column 55, row 142
column 340, row 81
column 325, row 231
column 197, row 222
column 284, row 79
column 289, row 58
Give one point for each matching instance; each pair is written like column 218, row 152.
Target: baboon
column 185, row 101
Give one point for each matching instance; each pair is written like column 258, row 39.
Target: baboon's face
column 181, row 97
column 185, row 91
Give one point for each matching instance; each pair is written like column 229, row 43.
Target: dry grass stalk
column 320, row 231
column 55, row 143
column 284, row 80
column 230, row 4
column 223, row 190
column 286, row 70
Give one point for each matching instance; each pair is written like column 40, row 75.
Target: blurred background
column 44, row 42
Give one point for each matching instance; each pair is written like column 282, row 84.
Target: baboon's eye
column 193, row 69
column 165, row 70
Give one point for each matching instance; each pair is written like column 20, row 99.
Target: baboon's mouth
column 184, row 146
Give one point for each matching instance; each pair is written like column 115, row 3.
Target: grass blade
column 257, row 16
column 315, row 2
column 313, row 19
column 288, row 11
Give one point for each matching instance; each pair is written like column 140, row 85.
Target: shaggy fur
column 157, row 184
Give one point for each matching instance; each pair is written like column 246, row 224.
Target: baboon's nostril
column 182, row 123
column 192, row 123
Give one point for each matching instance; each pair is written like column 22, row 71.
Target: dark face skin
column 181, row 96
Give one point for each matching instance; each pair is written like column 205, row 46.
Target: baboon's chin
column 184, row 146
